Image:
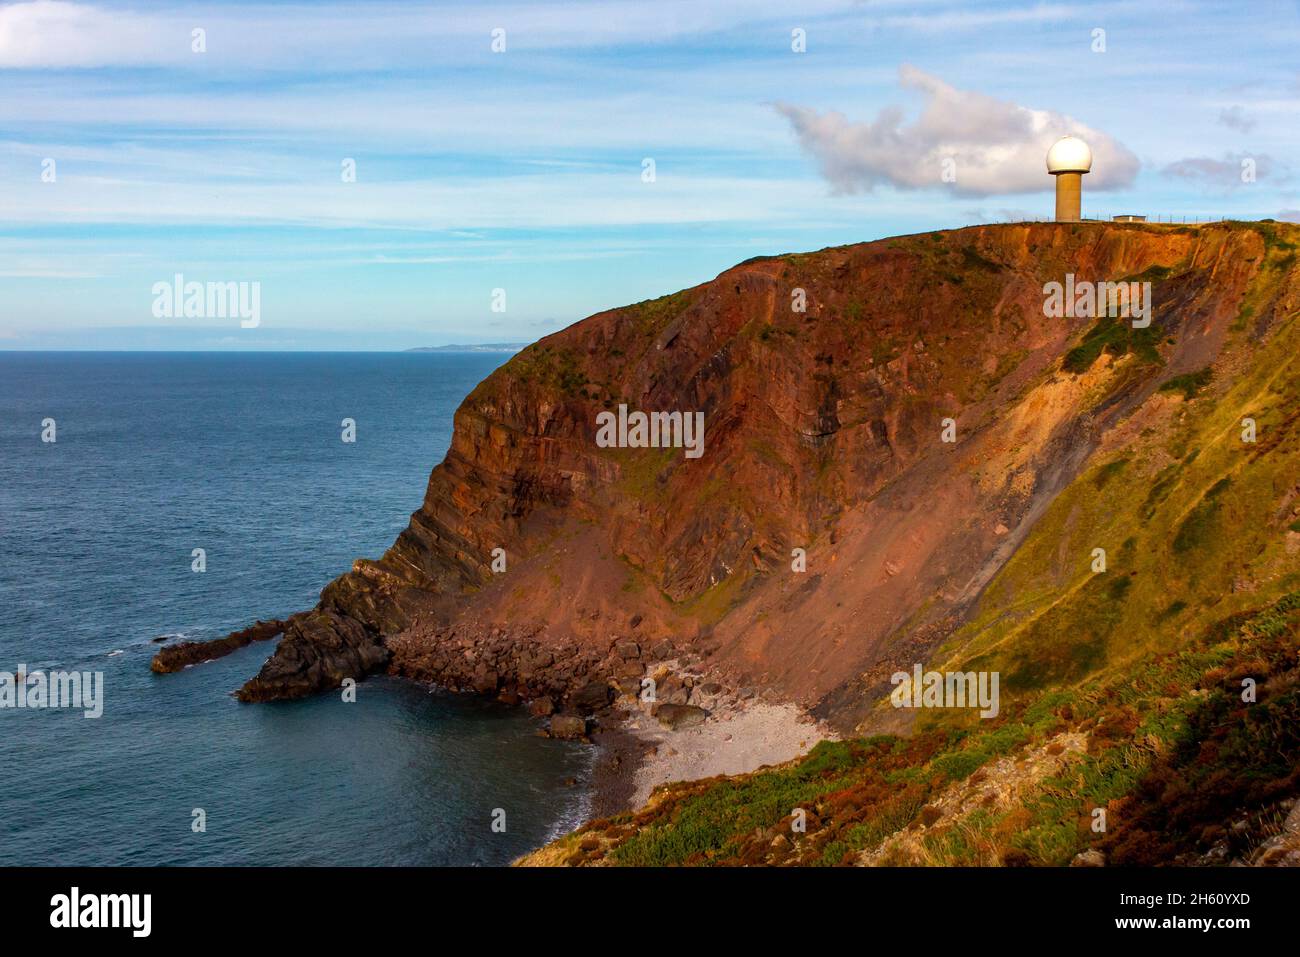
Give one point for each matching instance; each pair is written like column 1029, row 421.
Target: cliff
column 1149, row 703
column 824, row 431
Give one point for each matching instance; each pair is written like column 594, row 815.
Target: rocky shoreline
column 643, row 703
column 656, row 712
column 572, row 684
column 577, row 686
column 174, row 658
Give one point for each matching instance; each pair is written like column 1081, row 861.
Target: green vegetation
column 1189, row 383
column 1151, row 274
column 556, row 367
column 1199, row 528
column 1146, row 762
column 699, row 827
column 1272, row 241
column 1116, row 336
column 1107, row 472
column 972, row 259
column 652, row 315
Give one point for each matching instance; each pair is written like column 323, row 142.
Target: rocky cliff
column 829, row 384
column 1119, row 526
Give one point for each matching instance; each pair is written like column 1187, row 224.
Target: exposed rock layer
column 823, row 432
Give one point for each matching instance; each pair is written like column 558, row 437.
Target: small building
column 1129, row 218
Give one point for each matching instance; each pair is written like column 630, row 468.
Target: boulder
column 568, row 726
column 674, row 717
column 628, row 669
column 592, row 696
column 630, row 686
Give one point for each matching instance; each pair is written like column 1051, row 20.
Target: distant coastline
column 481, row 347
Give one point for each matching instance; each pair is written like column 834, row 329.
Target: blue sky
column 522, row 170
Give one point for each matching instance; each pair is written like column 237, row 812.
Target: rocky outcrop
column 825, row 381
column 572, row 678
column 318, row 651
column 175, row 657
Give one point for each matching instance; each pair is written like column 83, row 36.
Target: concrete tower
column 1067, row 160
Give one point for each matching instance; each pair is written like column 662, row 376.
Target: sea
column 155, row 455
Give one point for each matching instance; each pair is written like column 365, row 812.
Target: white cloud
column 997, row 147
column 54, row 33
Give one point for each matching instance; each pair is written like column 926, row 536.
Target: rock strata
column 822, row 438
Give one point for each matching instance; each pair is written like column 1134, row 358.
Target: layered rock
column 823, row 432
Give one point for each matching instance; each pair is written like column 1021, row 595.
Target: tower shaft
column 1069, row 187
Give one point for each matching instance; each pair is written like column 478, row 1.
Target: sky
column 519, row 166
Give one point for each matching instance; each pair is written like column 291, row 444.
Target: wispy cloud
column 481, row 202
column 1232, row 171
column 971, row 19
column 477, row 170
column 61, row 33
column 1235, row 118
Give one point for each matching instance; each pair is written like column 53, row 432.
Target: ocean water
column 161, row 453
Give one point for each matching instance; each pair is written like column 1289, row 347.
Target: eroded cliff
column 824, row 431
column 1144, row 632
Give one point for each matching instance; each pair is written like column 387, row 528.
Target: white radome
column 1069, row 154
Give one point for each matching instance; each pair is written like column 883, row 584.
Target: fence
column 1169, row 220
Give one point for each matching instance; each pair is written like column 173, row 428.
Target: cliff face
column 1145, row 628
column 824, row 431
